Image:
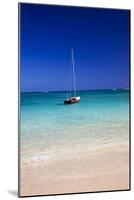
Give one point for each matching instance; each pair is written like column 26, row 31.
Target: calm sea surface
column 48, row 127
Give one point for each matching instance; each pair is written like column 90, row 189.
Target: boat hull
column 72, row 100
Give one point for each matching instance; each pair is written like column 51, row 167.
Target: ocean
column 50, row 130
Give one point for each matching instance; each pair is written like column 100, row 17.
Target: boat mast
column 74, row 87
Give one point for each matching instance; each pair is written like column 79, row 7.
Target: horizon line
column 72, row 90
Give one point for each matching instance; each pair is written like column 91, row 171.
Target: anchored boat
column 74, row 98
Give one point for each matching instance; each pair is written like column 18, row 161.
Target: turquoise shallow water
column 47, row 125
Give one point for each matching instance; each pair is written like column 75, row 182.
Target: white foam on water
column 40, row 158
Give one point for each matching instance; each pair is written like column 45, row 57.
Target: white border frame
column 9, row 96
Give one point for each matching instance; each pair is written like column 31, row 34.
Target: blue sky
column 99, row 37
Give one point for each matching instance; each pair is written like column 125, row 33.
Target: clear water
column 48, row 127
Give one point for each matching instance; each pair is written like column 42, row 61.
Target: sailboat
column 74, row 98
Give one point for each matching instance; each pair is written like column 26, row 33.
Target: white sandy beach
column 101, row 170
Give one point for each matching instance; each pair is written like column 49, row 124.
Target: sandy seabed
column 102, row 169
